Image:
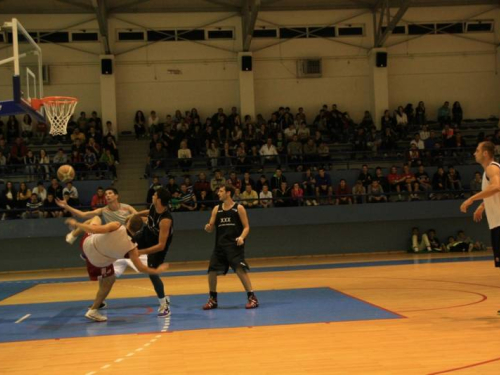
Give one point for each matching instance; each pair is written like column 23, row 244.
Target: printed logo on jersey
column 225, row 220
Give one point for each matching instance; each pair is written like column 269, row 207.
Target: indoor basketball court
column 370, row 314
column 338, row 291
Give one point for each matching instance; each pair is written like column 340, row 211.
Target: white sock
column 163, row 301
column 70, row 238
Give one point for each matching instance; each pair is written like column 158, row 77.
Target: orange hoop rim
column 37, row 103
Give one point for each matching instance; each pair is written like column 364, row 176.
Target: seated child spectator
column 282, row 196
column 455, row 246
column 473, row 245
column 50, row 207
column 419, row 242
column 297, row 194
column 475, row 184
column 343, row 194
column 99, row 199
column 324, row 188
column 436, row 245
column 376, row 193
column 33, row 208
column 358, row 192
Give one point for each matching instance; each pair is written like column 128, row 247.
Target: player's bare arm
column 134, row 257
column 493, row 174
column 242, row 212
column 143, row 213
column 211, row 224
column 75, row 212
column 93, row 228
column 165, row 225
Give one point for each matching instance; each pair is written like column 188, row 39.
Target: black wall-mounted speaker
column 246, row 63
column 381, row 59
column 107, row 66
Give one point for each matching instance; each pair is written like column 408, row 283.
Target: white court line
column 23, row 318
column 105, row 367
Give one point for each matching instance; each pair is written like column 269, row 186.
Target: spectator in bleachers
column 389, row 140
column 111, row 145
column 297, row 195
column 187, row 199
column 109, row 131
column 5, row 149
column 457, row 113
column 281, row 146
column 33, row 208
column 269, row 153
column 410, row 114
column 107, row 161
column 247, row 180
column 30, row 165
column 41, row 130
column 376, row 193
column 387, row 121
column 78, row 135
column 373, row 140
column 282, row 195
column 156, row 159
column 242, row 162
column 96, row 149
column 424, row 181
column 18, row 151
column 184, row 156
column 343, row 193
column 260, row 183
column 301, row 116
column 382, row 180
column 43, row 167
column 77, row 162
column 8, row 201
column 78, row 146
column 448, row 136
column 97, row 121
column 430, row 141
column 92, row 133
column 290, row 132
column 12, row 128
column 235, row 181
column 73, row 193
column 23, row 195
column 367, row 121
column 60, row 158
column 202, row 191
column 324, row 154
column 249, row 197
column 172, row 186
column 358, row 192
column 226, row 155
column 236, row 135
column 153, row 123
column 82, row 121
column 139, row 124
column 189, row 184
column 40, row 191
column 309, row 186
column 439, row 184
column 303, row 132
column 27, row 127
column 401, row 122
column 360, row 141
column 55, row 189
column 417, row 141
column 365, row 176
column 476, row 183
column 3, row 163
column 90, row 162
column 295, row 152
column 395, row 182
column 310, row 152
column 454, row 181
column 420, row 118
column 50, row 207
column 409, row 182
column 324, row 187
column 217, row 181
column 437, row 154
column 444, row 114
column 99, row 199
column 265, row 197
column 213, row 153
column 414, row 156
column 277, row 179
column 424, row 134
column 419, row 242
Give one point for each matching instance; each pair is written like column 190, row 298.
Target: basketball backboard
column 23, row 59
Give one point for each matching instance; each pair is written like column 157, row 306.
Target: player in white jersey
column 101, row 246
column 490, row 194
column 113, row 211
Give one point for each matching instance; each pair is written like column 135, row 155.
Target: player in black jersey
column 231, row 224
column 155, row 239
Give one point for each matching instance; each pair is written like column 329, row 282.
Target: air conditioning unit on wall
column 309, row 68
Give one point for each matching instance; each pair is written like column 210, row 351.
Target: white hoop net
column 58, row 110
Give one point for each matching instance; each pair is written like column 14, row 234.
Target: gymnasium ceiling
column 167, row 6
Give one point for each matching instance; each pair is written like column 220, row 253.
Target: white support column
column 379, row 91
column 108, row 96
column 247, row 90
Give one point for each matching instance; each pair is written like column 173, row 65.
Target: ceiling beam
column 77, row 4
column 250, row 12
column 391, row 23
column 102, row 19
column 226, row 6
column 129, row 5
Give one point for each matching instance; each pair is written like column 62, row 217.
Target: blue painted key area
column 138, row 315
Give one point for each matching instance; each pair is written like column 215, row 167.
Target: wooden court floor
column 449, row 324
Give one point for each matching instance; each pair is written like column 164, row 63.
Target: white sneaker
column 95, row 316
column 308, row 202
column 164, row 310
column 70, row 238
column 315, row 203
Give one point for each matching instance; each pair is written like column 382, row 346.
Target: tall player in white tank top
column 490, row 195
column 114, row 211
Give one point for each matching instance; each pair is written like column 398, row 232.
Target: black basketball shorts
column 495, row 243
column 225, row 257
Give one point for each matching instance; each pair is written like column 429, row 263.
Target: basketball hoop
column 58, row 110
